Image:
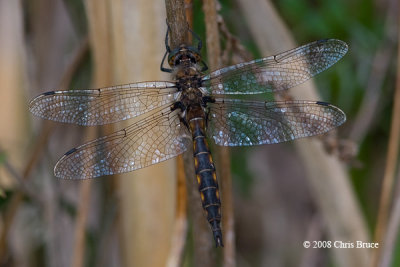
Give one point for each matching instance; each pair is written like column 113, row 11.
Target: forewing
column 276, row 73
column 247, row 123
column 151, row 140
column 102, row 106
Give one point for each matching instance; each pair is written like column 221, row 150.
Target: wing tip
column 344, row 47
column 340, row 113
column 33, row 104
column 339, row 46
column 58, row 170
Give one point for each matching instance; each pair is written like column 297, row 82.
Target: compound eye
column 198, row 58
column 171, row 61
column 192, row 59
column 177, row 60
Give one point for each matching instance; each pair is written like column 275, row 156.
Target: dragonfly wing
column 105, row 105
column 275, row 73
column 151, row 140
column 245, row 123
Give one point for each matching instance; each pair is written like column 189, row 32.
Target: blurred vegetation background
column 131, row 221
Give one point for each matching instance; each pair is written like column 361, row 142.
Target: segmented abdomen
column 206, row 177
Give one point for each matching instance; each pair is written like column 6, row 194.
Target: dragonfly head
column 183, row 55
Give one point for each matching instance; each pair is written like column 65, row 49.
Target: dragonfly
column 192, row 108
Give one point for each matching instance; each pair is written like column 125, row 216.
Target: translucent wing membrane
column 103, row 106
column 246, row 123
column 276, row 73
column 151, row 140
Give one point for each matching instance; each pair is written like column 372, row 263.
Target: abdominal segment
column 206, row 178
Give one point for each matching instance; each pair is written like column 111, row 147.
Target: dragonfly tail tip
column 218, row 240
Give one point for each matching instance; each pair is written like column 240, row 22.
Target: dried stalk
column 40, row 144
column 390, row 169
column 181, row 224
column 130, row 34
column 203, row 255
column 180, row 227
column 391, row 235
column 176, row 19
column 370, row 107
column 215, row 62
column 80, row 224
column 327, row 176
column 23, row 186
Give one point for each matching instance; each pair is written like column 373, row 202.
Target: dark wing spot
column 70, row 151
column 322, row 41
column 322, row 103
column 49, row 93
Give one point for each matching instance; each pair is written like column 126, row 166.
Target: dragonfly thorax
column 188, row 77
column 187, row 68
column 189, row 83
column 192, row 100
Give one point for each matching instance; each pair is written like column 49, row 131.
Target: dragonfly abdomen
column 206, row 177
